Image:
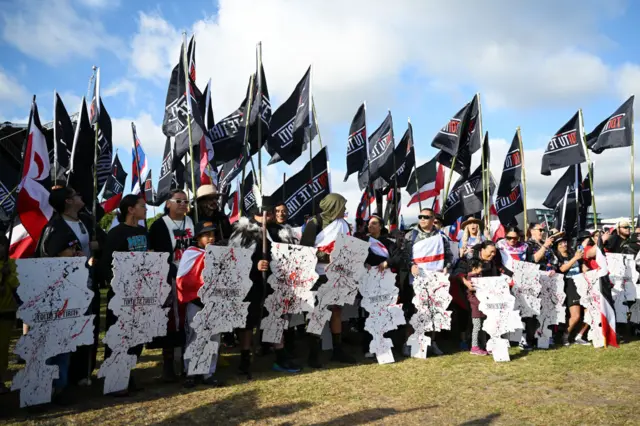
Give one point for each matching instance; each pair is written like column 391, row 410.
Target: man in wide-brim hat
column 208, row 199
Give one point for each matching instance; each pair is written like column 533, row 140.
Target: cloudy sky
column 534, row 63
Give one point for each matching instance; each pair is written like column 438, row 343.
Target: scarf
column 510, row 254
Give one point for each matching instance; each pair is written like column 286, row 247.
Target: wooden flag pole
column 284, row 190
column 366, row 147
column 415, row 169
column 55, row 139
column 245, row 142
column 395, row 174
column 259, row 77
column 524, row 180
column 593, row 195
column 185, row 64
column 633, row 179
column 95, row 159
column 485, row 168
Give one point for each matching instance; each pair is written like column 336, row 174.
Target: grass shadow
column 368, row 416
column 482, row 421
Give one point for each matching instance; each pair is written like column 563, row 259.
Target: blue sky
column 534, row 65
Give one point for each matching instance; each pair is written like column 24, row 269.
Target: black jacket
column 221, row 221
column 395, row 259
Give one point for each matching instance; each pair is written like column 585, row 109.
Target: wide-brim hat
column 470, row 221
column 582, row 235
column 207, row 191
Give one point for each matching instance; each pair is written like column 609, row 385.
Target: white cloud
column 122, row 86
column 153, row 46
column 51, row 31
column 11, row 91
column 149, row 133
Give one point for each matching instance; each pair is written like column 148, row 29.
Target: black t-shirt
column 575, row 269
column 122, row 238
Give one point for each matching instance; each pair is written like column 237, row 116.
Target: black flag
column 81, row 162
column 261, row 107
column 565, row 148
column 568, row 179
column 249, row 205
column 465, row 198
column 448, row 138
column 114, row 187
column 228, row 172
column 9, row 179
column 429, row 183
column 205, row 107
column 368, row 198
column 614, row 132
column 405, row 159
column 301, row 192
column 63, row 132
column 291, row 126
column 149, row 192
column 105, row 146
column 227, row 136
column 357, row 143
column 380, row 154
column 391, row 214
column 167, row 173
column 511, row 170
column 509, row 206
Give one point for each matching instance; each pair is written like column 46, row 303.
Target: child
column 188, row 282
column 477, row 317
column 8, row 306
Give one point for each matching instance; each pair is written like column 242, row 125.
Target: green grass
column 573, row 385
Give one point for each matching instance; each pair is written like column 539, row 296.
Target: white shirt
column 185, row 225
column 82, row 233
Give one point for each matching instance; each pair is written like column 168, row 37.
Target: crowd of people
column 424, row 247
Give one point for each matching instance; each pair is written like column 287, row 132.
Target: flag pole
column 308, row 130
column 284, row 190
column 524, row 180
column 395, row 172
column 633, row 188
column 485, row 168
column 259, row 77
column 484, row 187
column 245, row 149
column 415, row 167
column 96, row 71
column 55, row 143
column 446, row 190
column 187, row 84
column 564, row 207
column 593, row 195
column 366, row 147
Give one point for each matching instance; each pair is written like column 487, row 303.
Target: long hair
column 128, row 201
column 58, row 198
column 171, row 194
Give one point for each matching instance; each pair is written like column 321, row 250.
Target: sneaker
column 245, row 370
column 286, row 366
column 464, row 346
column 339, row 355
column 551, row 341
column 435, row 350
column 565, row 340
column 84, row 382
column 369, row 355
column 476, row 350
column 580, row 341
column 168, row 372
column 524, row 346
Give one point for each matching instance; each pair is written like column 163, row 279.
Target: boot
column 245, row 364
column 168, row 370
column 314, row 352
column 339, row 355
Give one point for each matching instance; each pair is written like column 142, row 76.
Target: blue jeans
column 62, row 361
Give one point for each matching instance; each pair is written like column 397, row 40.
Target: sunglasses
column 425, row 217
column 512, row 238
column 538, row 229
column 179, row 201
column 625, row 227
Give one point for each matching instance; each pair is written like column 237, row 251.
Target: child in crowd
column 189, row 281
column 8, row 306
column 477, row 317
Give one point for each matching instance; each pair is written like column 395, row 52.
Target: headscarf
column 332, row 207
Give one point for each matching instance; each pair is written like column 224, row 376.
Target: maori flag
column 465, row 199
column 178, row 105
column 114, row 187
column 63, row 138
column 430, row 180
column 33, row 206
column 357, row 143
column 81, row 171
column 380, row 154
column 511, row 170
column 368, row 198
column 459, row 138
column 565, row 148
column 291, row 126
column 405, row 159
column 616, row 131
column 302, row 193
column 167, row 173
column 249, row 205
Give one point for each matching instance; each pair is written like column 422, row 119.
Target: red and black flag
column 510, row 205
column 616, row 131
column 429, row 182
column 465, row 199
column 357, row 143
column 368, row 198
column 149, row 192
column 292, row 126
column 565, row 148
column 302, row 193
column 114, row 187
column 100, row 117
column 62, row 140
column 565, row 199
column 81, row 162
column 391, row 214
column 380, row 163
column 228, row 172
column 460, row 138
column 511, row 170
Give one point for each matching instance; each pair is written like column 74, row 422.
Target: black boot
column 339, row 355
column 290, row 340
column 314, row 352
column 245, row 364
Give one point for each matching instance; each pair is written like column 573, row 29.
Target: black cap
column 203, row 227
column 584, row 235
column 59, row 241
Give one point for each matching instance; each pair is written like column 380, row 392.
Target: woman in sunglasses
column 172, row 234
column 511, row 249
column 470, row 237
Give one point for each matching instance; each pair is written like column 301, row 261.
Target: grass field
column 572, row 385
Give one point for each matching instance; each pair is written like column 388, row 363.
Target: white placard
column 552, row 310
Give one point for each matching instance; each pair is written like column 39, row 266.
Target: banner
column 552, row 308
